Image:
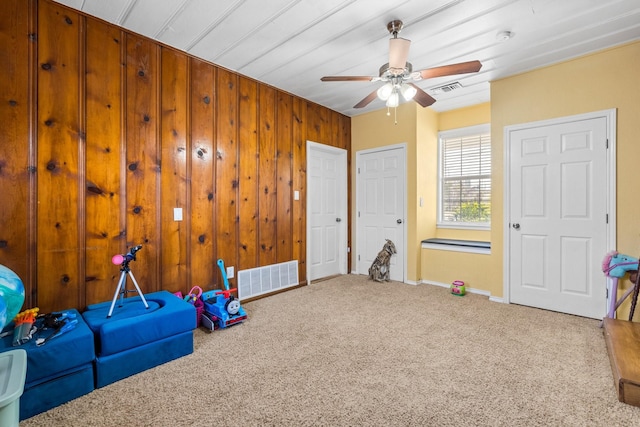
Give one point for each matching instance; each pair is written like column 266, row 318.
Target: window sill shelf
column 456, row 245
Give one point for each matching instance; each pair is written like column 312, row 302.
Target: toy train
column 222, row 305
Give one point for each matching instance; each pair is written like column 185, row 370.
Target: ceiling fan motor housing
column 386, row 73
column 394, row 27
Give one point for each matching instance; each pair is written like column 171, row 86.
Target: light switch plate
column 177, row 214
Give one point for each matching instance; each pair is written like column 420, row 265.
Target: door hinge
column 358, row 214
column 607, row 143
column 358, row 257
column 358, row 170
column 607, row 218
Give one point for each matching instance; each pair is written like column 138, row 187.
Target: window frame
column 450, row 134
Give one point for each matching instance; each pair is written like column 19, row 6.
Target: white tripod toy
column 124, row 260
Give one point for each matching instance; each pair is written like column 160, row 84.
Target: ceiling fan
column 398, row 74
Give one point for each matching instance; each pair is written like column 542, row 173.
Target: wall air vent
column 446, row 88
column 270, row 278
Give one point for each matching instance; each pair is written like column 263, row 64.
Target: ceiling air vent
column 446, row 88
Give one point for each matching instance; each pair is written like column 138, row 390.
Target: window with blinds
column 465, row 178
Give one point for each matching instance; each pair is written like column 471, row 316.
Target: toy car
column 224, row 306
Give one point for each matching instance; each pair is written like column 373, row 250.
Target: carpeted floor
column 351, row 352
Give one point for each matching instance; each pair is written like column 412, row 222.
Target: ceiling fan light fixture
column 385, row 91
column 393, row 100
column 408, row 91
column 396, row 74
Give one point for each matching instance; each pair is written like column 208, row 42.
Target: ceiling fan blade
column 448, row 70
column 422, row 97
column 347, row 78
column 367, row 99
column 398, row 52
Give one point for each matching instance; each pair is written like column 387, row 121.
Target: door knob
column 338, row 219
column 399, row 221
column 516, row 226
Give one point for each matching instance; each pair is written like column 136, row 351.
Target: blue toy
column 64, row 323
column 615, row 266
column 222, row 304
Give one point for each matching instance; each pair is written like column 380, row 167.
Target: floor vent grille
column 270, row 278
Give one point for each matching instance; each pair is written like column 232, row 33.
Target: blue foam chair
column 136, row 338
column 58, row 371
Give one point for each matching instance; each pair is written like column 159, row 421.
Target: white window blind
column 465, row 178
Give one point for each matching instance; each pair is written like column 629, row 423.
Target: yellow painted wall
column 438, row 266
column 426, row 179
column 469, row 116
column 376, row 129
column 600, row 81
column 446, row 266
column 464, row 117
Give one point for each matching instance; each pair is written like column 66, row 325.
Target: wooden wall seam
column 31, row 285
column 82, row 160
column 122, row 190
column 188, row 164
column 157, row 283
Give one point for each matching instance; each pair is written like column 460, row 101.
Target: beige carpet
column 351, row 352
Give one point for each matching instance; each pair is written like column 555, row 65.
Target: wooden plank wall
column 105, row 132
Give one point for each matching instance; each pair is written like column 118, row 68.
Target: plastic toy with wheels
column 222, row 304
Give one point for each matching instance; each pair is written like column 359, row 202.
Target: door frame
column 401, row 146
column 341, row 154
column 610, row 116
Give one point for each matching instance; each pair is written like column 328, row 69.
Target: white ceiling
column 291, row 44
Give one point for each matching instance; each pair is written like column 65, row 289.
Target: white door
column 381, row 179
column 558, row 216
column 327, row 211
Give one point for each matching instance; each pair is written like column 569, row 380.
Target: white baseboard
column 408, row 282
column 468, row 289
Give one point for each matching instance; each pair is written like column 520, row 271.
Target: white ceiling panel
column 314, row 45
column 149, row 17
column 242, row 23
column 195, row 21
column 291, row 44
column 76, row 4
column 282, row 28
column 111, row 11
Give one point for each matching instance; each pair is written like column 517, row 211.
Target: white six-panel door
column 558, row 216
column 381, row 178
column 326, row 211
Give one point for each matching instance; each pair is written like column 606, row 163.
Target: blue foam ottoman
column 57, row 372
column 136, row 338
